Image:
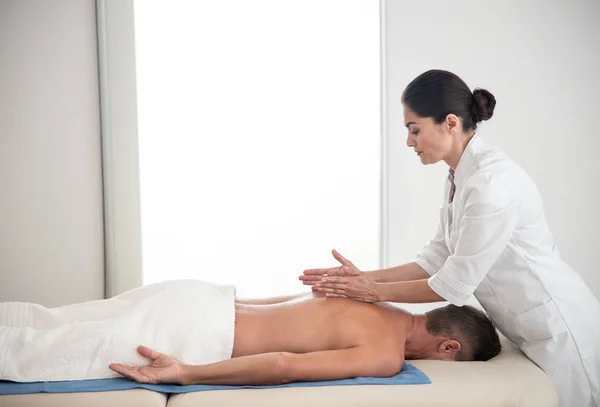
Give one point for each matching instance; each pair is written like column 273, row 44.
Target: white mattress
column 128, row 398
column 510, row 379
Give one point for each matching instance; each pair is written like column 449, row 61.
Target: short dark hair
column 469, row 326
column 438, row 93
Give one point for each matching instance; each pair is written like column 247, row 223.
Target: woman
column 492, row 241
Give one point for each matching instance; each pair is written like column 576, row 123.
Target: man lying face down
column 310, row 337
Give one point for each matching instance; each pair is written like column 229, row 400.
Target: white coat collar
column 468, row 163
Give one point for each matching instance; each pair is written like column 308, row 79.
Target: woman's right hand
column 347, row 269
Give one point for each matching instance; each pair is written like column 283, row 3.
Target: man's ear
column 450, row 346
column 452, row 123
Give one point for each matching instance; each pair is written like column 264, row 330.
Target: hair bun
column 483, row 105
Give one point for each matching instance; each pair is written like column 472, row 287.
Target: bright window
column 259, row 136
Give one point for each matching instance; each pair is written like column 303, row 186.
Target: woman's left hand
column 361, row 287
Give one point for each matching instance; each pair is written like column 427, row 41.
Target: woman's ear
column 452, row 123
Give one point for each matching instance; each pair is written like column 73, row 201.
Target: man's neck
column 419, row 341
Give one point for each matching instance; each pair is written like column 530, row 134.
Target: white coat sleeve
column 434, row 254
column 491, row 214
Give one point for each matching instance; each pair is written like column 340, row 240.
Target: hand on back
column 345, row 281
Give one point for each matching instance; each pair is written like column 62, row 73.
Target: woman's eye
column 415, row 133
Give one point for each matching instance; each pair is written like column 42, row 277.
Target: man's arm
column 283, row 367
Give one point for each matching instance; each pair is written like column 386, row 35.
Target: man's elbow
column 387, row 367
column 282, row 372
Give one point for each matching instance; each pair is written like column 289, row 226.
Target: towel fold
column 191, row 320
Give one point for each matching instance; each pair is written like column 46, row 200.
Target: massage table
column 508, row 380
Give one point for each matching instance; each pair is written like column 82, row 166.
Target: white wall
column 51, row 236
column 541, row 59
column 252, row 174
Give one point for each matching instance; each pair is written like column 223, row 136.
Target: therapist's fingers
column 335, row 279
column 348, row 271
column 307, row 275
column 316, row 272
column 327, row 290
column 310, row 280
column 342, row 259
column 341, row 286
column 311, row 276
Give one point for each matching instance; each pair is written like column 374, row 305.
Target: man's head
column 462, row 333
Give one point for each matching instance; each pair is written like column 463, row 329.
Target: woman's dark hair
column 438, row 93
column 469, row 326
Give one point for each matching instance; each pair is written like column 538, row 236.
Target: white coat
column 493, row 241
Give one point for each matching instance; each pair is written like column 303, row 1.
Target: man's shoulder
column 386, row 327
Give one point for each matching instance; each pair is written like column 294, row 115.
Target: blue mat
column 408, row 375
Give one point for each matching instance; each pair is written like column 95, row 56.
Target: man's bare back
column 312, row 322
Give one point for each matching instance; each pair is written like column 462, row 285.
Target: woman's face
column 432, row 142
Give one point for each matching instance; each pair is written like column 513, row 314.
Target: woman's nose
column 409, row 141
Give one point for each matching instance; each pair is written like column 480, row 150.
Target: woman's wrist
column 374, row 274
column 381, row 292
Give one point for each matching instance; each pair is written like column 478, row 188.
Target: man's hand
column 163, row 369
column 347, row 269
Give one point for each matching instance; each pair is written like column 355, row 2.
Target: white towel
column 191, row 320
